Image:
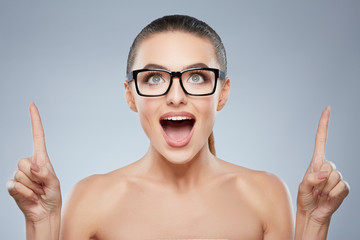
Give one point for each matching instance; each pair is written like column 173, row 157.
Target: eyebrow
column 157, row 66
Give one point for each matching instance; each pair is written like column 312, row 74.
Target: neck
column 181, row 176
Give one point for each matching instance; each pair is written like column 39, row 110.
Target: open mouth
column 177, row 129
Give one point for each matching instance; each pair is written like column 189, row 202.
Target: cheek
column 146, row 111
column 207, row 109
column 207, row 105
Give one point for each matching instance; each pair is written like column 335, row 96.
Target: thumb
column 312, row 180
column 44, row 175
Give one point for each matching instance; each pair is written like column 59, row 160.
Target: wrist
column 47, row 228
column 309, row 227
column 315, row 230
column 313, row 219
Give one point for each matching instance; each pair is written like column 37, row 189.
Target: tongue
column 177, row 130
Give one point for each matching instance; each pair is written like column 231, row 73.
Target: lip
column 183, row 142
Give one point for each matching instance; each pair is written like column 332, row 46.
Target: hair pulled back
column 186, row 24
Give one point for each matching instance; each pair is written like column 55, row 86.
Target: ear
column 224, row 94
column 130, row 96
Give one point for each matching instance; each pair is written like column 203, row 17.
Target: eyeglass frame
column 132, row 76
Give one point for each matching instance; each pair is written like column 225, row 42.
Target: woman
column 179, row 189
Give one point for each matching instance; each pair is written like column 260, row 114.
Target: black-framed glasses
column 157, row 82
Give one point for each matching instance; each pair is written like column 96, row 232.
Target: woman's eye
column 196, row 78
column 155, row 79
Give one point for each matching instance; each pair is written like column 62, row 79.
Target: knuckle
column 22, row 163
column 342, row 192
column 338, row 176
column 335, row 177
column 332, row 164
column 17, row 176
column 327, row 166
column 346, row 186
column 342, row 185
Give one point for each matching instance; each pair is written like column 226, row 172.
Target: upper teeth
column 177, row 118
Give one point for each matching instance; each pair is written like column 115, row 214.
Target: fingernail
column 323, row 174
column 35, row 167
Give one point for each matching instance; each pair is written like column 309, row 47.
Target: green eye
column 196, row 78
column 155, row 79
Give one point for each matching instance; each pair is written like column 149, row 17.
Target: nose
column 176, row 95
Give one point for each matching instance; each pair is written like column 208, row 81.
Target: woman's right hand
column 35, row 187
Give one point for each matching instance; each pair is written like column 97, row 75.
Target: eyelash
column 201, row 74
column 151, row 74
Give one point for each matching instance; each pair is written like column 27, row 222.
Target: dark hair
column 186, row 24
column 181, row 23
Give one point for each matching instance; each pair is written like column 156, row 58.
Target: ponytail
column 212, row 143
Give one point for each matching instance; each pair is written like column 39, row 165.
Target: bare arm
column 278, row 224
column 82, row 211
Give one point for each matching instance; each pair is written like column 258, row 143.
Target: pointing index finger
column 321, row 134
column 37, row 130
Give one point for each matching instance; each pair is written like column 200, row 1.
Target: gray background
column 287, row 61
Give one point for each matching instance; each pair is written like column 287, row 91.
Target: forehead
column 175, row 50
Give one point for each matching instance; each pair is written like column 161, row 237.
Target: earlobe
column 224, row 94
column 130, row 97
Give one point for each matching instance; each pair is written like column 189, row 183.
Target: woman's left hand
column 322, row 189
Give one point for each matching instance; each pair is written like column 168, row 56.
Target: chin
column 178, row 156
column 182, row 155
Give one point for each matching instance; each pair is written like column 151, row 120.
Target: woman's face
column 177, row 140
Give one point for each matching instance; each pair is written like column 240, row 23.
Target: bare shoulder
column 266, row 183
column 260, row 182
column 268, row 195
column 90, row 201
column 100, row 186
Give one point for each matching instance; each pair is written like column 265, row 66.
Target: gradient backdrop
column 287, row 62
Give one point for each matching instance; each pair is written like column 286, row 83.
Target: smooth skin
column 36, row 189
column 321, row 191
column 177, row 193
